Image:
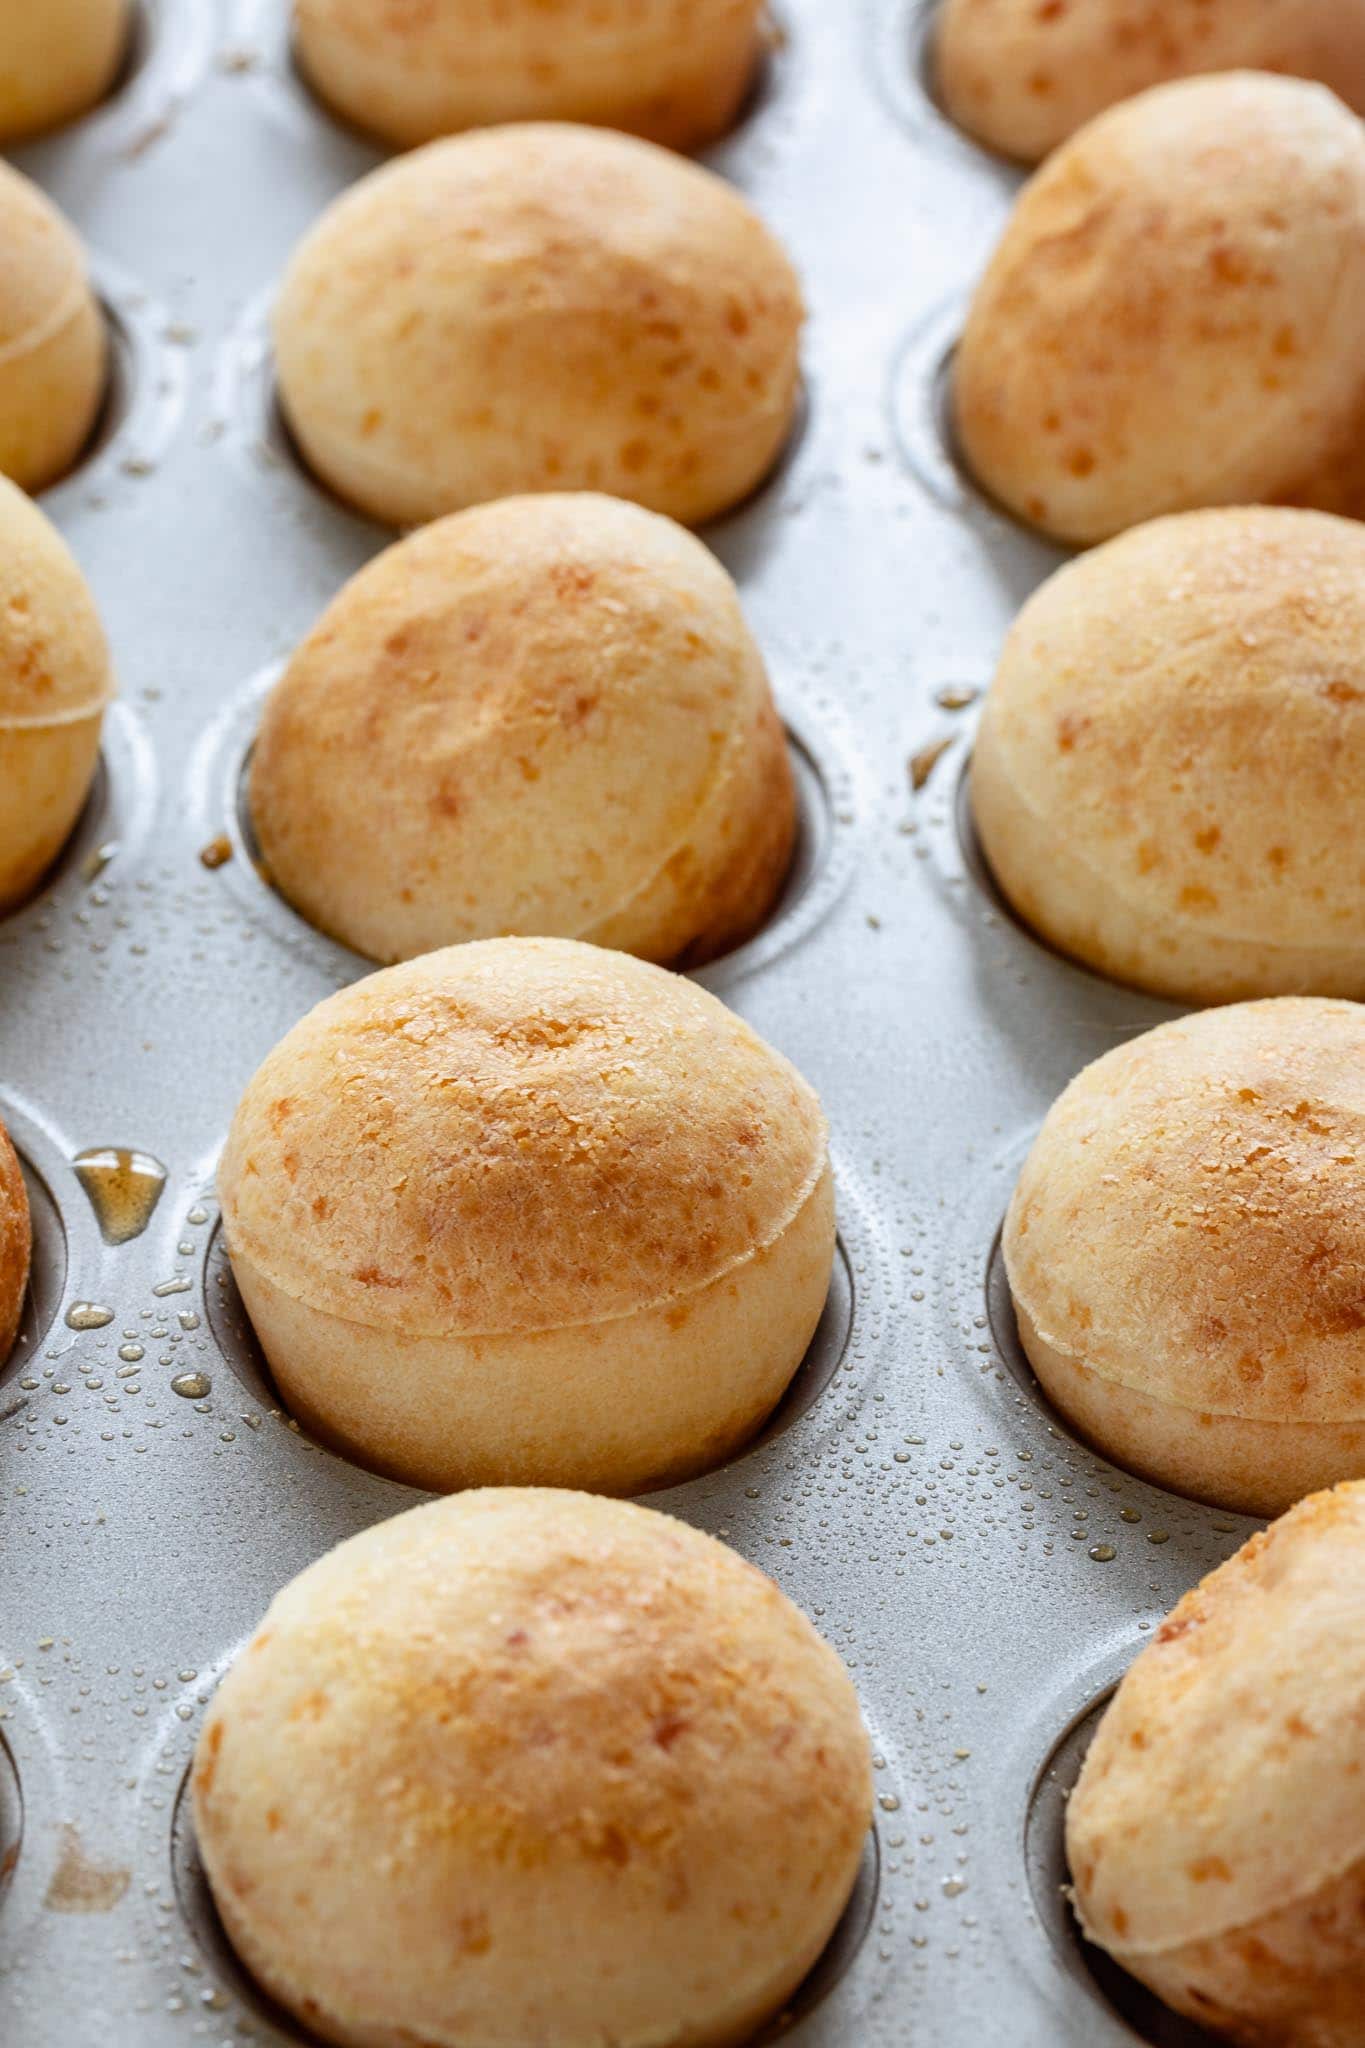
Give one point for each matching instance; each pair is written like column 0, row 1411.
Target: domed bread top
column 516, row 1134
column 542, row 307
column 60, row 57
column 1191, row 1219
column 1164, row 780
column 1224, row 1784
column 546, row 1768
column 1022, row 77
column 43, row 279
column 1171, row 316
column 54, row 658
column 53, row 347
column 675, row 71
column 16, row 1238
column 545, row 715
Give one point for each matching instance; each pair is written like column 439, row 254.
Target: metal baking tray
column 985, row 1576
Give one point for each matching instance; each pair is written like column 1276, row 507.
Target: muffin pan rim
column 827, row 779
column 1139, row 2013
column 799, row 1405
column 252, row 424
column 201, row 1925
column 119, row 813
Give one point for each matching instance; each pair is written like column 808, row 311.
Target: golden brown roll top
column 1217, row 1835
column 545, row 715
column 526, row 1211
column 675, row 71
column 515, row 1135
column 532, row 1767
column 1186, row 1252
column 1191, row 1219
column 1023, row 76
column 1171, row 317
column 1164, row 779
column 542, row 307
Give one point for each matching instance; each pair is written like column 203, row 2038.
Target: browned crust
column 515, row 1134
column 1023, row 76
column 1191, row 1219
column 16, row 1244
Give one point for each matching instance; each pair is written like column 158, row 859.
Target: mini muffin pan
column 986, row 1576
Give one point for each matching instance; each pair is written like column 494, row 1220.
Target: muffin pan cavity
column 46, row 1282
column 259, row 433
column 1048, row 1880
column 11, row 1817
column 233, row 1985
column 921, row 409
column 902, row 33
column 921, row 406
column 820, row 868
column 144, row 394
column 976, row 866
column 828, row 1348
column 266, row 46
column 1004, row 1331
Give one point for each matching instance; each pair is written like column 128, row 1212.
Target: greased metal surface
column 985, row 1577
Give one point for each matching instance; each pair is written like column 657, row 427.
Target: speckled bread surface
column 1164, row 780
column 532, row 1770
column 1170, row 318
column 530, row 1210
column 674, row 71
column 539, row 307
column 1022, row 77
column 1186, row 1252
column 1217, row 1835
column 545, row 715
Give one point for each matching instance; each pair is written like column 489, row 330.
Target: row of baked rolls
column 677, row 71
column 1020, row 76
column 528, row 308
column 531, row 1766
column 1185, row 1250
column 543, row 716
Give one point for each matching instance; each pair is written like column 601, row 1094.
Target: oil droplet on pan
column 79, row 1883
column 124, row 1188
column 88, row 1315
column 922, row 764
column 192, row 1386
column 217, row 853
column 94, row 864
